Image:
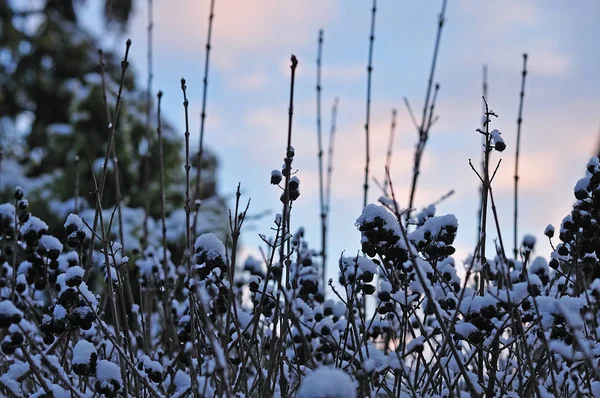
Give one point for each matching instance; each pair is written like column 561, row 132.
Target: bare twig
column 146, row 159
column 484, row 89
column 519, row 120
column 323, row 210
column 163, row 201
column 388, row 159
column 111, row 135
column 188, row 237
column 332, row 130
column 423, row 128
column 76, row 186
column 288, row 168
column 198, row 192
column 368, row 117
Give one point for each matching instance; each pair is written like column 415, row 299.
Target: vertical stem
column 162, row 184
column 168, row 323
column 368, row 117
column 484, row 195
column 285, row 216
column 323, row 213
column 76, row 200
column 484, row 91
column 197, row 192
column 423, row 132
column 146, row 159
column 188, row 242
column 111, row 135
column 388, row 159
column 519, row 120
column 484, row 206
column 288, row 166
column 111, row 149
column 328, row 185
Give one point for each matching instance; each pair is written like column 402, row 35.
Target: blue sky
column 248, row 99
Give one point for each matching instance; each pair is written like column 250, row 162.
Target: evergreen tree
column 50, row 76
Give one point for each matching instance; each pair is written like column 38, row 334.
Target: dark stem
column 484, row 89
column 286, row 205
column 328, row 185
column 388, row 159
column 323, row 213
column 162, row 181
column 423, row 133
column 188, row 242
column 368, row 117
column 76, row 186
column 197, row 191
column 288, row 167
column 111, row 135
column 146, row 158
column 519, row 120
column 163, row 205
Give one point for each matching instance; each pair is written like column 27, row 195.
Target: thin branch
column 388, row 159
column 288, row 168
column 484, row 88
column 146, row 158
column 323, row 213
column 519, row 120
column 334, row 109
column 411, row 113
column 76, row 185
column 368, row 117
column 423, row 132
column 111, row 135
column 188, row 237
column 198, row 192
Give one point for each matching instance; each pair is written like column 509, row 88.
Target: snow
column 8, row 309
column 59, row 312
column 150, row 365
column 385, row 286
column 564, row 350
column 8, row 211
column 106, row 371
column 34, row 224
column 82, row 352
column 57, row 391
column 50, row 243
column 465, row 329
column 74, row 272
column 74, row 219
column 416, row 343
column 371, row 212
column 496, row 137
column 582, row 184
column 529, row 241
column 15, row 371
column 539, row 264
column 433, row 226
column 327, row 383
column 211, row 244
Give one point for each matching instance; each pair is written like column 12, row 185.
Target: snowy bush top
column 327, row 383
column 211, row 246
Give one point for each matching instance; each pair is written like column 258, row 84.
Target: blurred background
column 51, row 106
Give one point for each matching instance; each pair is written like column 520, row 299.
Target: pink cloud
column 242, row 30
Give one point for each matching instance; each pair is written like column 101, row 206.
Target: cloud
column 243, row 31
column 255, row 80
column 500, row 16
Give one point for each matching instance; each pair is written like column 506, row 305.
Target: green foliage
column 51, row 75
